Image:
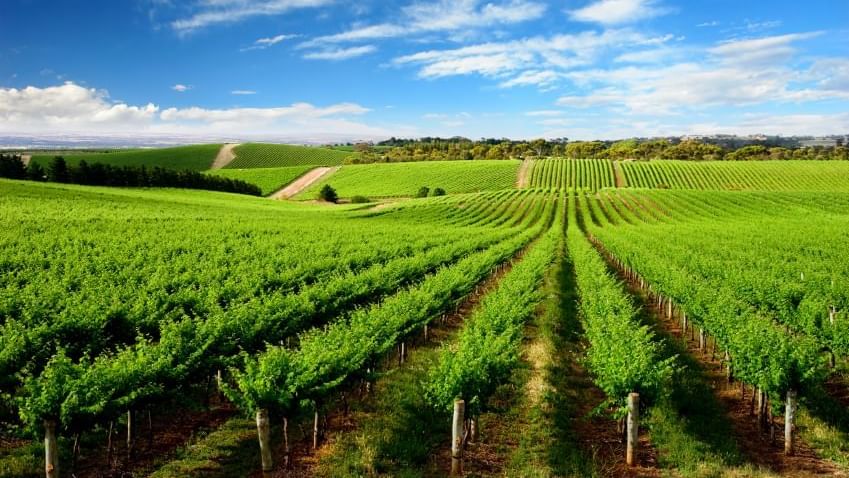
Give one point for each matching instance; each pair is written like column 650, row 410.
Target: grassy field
column 405, row 179
column 195, row 157
column 259, row 155
column 268, row 179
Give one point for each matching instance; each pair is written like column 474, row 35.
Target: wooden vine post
column 130, row 434
column 287, row 458
column 51, row 450
column 457, row 430
column 789, row 418
column 633, row 428
column 263, row 430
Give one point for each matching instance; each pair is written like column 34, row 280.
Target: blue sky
column 316, row 70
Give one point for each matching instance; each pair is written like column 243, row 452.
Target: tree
column 328, row 194
column 35, row 172
column 12, row 167
column 57, row 172
column 437, row 192
column 423, row 192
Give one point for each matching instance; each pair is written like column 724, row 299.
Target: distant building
column 822, row 142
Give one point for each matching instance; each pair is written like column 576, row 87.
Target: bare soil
column 303, row 182
column 617, row 175
column 225, row 156
column 523, row 179
column 26, row 158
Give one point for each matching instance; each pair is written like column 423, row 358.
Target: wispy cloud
column 243, row 92
column 441, row 16
column 214, row 12
column 180, row 88
column 712, row 23
column 263, row 43
column 535, row 60
column 618, row 12
column 336, row 54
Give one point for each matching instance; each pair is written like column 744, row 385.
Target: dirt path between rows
column 26, row 158
column 225, row 156
column 524, row 177
column 303, row 182
column 618, row 176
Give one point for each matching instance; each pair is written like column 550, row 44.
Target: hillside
column 405, row 179
column 269, row 180
column 262, row 155
column 196, row 157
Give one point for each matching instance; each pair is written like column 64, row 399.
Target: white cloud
column 764, row 50
column 263, row 43
column 544, row 113
column 733, row 74
column 443, row 15
column 522, row 61
column 712, row 23
column 180, row 88
column 213, row 12
column 617, row 12
column 243, row 92
column 335, row 54
column 71, row 109
column 542, row 78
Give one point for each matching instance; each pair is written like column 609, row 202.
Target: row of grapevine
column 64, row 370
column 487, row 348
column 624, row 356
column 761, row 352
column 798, row 280
column 281, row 380
column 260, row 155
column 592, row 174
column 749, row 175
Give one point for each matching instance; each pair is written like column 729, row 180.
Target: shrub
column 437, row 192
column 328, row 194
column 360, row 200
column 423, row 192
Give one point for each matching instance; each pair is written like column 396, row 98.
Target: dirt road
column 303, row 182
column 225, row 156
column 524, row 176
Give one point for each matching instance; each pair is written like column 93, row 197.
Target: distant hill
column 197, row 157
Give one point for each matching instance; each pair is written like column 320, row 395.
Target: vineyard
column 405, row 179
column 592, row 174
column 269, row 180
column 196, row 157
column 261, row 155
column 571, row 328
column 730, row 175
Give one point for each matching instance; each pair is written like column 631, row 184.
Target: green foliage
column 360, row 200
column 754, row 176
column 437, row 192
column 624, row 356
column 592, row 174
column 57, row 172
column 269, row 180
column 423, row 192
column 195, row 157
column 327, row 194
column 748, row 299
column 260, row 155
column 486, row 350
column 399, row 180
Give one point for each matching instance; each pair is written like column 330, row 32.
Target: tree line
column 99, row 174
column 438, row 149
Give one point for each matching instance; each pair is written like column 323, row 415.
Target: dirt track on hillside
column 303, row 182
column 524, row 178
column 26, row 158
column 225, row 156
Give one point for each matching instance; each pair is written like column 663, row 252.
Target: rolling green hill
column 268, row 179
column 260, row 155
column 196, row 157
column 405, row 179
